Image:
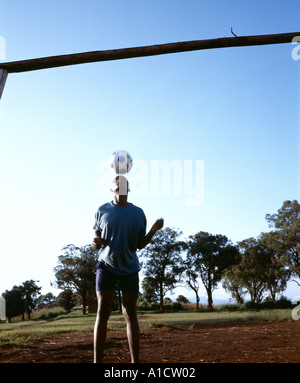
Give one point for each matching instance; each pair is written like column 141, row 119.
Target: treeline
column 21, row 299
column 258, row 267
column 24, row 299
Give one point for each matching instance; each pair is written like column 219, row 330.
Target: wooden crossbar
column 150, row 50
column 143, row 51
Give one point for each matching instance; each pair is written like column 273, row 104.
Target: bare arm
column 157, row 226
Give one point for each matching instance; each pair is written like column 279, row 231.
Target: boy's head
column 120, row 185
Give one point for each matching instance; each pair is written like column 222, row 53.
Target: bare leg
column 105, row 299
column 133, row 330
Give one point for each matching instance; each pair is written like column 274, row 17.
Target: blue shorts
column 106, row 280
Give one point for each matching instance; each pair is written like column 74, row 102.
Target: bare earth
column 234, row 342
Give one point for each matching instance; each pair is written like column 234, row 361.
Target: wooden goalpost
column 142, row 51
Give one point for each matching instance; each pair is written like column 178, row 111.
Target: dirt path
column 234, row 342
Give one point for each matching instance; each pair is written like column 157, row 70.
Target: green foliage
column 154, row 306
column 267, row 263
column 46, row 314
column 182, row 299
column 143, row 305
column 150, row 293
column 210, row 256
column 231, row 307
column 163, row 264
column 282, row 303
column 45, row 299
column 233, row 282
column 66, row 299
column 21, row 299
column 252, row 270
column 174, row 306
column 285, row 239
column 76, row 271
column 29, row 290
column 14, row 302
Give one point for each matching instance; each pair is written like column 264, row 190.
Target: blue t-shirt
column 122, row 228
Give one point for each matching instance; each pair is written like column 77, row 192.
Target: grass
column 19, row 333
column 182, row 318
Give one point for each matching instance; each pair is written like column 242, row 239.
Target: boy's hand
column 157, row 225
column 97, row 243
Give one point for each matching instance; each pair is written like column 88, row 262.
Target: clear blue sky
column 235, row 109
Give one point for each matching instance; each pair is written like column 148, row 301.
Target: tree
column 21, row 299
column 49, row 297
column 286, row 237
column 276, row 273
column 233, row 283
column 163, row 262
column 149, row 292
column 182, row 299
column 210, row 256
column 252, row 268
column 148, row 296
column 66, row 300
column 14, row 302
column 191, row 276
column 29, row 291
column 45, row 299
column 76, row 271
column 261, row 268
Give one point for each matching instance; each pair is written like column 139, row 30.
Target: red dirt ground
column 234, row 342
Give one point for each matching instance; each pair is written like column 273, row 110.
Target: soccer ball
column 120, row 162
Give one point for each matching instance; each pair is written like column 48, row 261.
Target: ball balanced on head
column 121, row 162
